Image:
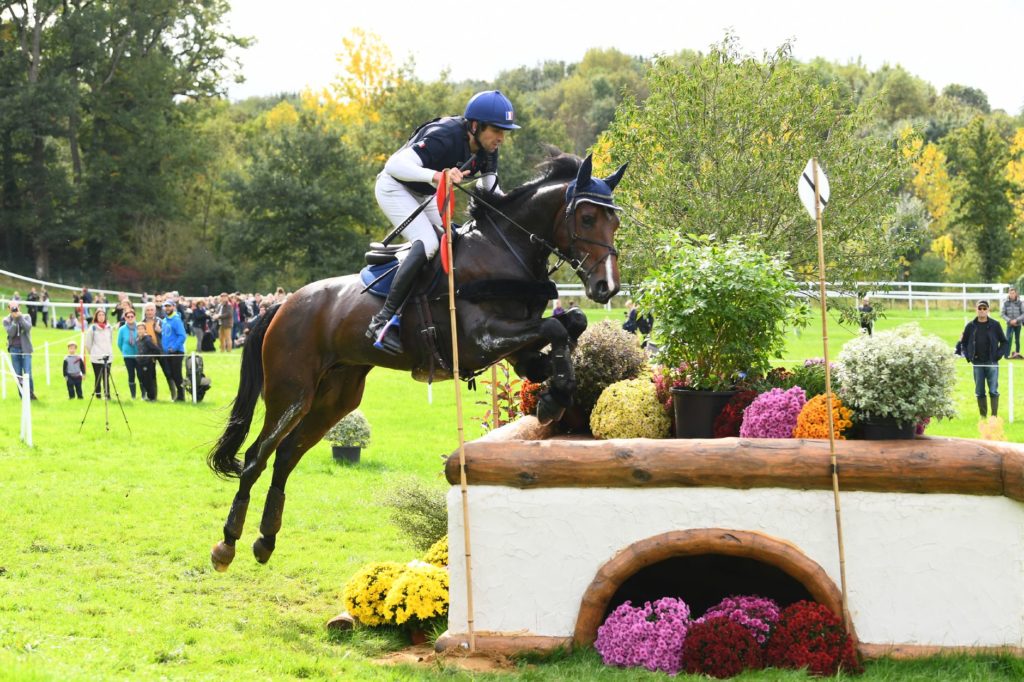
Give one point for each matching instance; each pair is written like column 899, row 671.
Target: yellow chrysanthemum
column 419, row 593
column 438, row 553
column 365, row 593
column 813, row 419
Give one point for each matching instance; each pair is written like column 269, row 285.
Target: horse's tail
column 222, row 458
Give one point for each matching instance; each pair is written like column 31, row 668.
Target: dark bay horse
column 309, row 357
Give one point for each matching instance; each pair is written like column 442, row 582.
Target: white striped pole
column 1010, row 365
column 46, row 353
column 195, row 389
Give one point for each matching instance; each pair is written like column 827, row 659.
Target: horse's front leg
column 534, row 364
column 509, row 338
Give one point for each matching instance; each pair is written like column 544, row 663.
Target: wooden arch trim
column 735, row 543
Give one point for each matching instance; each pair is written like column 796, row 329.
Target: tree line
column 122, row 161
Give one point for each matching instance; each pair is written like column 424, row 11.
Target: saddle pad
column 384, row 271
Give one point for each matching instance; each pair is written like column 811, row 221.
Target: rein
column 576, row 264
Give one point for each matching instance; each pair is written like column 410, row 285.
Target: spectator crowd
column 149, row 334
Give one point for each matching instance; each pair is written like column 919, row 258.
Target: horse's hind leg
column 340, row 392
column 256, row 456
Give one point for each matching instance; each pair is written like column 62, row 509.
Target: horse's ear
column 614, row 178
column 583, row 174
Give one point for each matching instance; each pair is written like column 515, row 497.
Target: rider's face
column 491, row 138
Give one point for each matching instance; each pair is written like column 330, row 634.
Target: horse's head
column 591, row 219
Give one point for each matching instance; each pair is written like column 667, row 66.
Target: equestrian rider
column 413, row 173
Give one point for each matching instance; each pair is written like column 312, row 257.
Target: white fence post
column 910, row 295
column 26, row 408
column 1010, row 365
column 195, row 389
column 965, row 297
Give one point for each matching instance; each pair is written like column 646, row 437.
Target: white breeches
column 398, row 203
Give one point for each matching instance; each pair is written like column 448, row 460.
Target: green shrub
column 604, row 355
column 351, row 431
column 630, row 409
column 900, row 374
column 418, row 510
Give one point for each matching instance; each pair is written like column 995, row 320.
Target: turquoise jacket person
column 128, row 340
column 173, row 333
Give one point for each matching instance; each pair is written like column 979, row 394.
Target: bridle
column 568, row 220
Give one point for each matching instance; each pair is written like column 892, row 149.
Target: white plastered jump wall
column 943, row 570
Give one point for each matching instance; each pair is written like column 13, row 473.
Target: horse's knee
column 575, row 322
column 533, row 366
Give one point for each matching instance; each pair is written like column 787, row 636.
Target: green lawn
column 104, row 570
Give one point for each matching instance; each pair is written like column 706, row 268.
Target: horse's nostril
column 601, row 288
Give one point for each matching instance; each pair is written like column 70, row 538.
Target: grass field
column 104, row 570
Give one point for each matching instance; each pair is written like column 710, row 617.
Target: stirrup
column 389, row 339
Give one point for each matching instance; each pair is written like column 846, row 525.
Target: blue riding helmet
column 493, row 108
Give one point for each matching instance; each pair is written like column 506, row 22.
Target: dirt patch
column 424, row 655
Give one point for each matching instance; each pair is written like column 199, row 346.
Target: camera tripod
column 105, row 384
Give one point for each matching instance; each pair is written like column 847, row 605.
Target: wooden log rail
column 922, row 465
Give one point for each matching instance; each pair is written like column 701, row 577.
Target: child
column 74, row 370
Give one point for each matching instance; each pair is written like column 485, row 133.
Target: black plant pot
column 696, row 411
column 885, row 428
column 346, row 454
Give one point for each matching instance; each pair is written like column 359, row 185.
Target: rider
column 413, row 173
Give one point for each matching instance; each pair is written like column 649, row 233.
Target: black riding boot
column 384, row 326
column 982, row 406
column 995, row 405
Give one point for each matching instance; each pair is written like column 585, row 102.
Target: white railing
column 923, row 293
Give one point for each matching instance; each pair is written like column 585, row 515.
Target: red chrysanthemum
column 810, row 636
column 728, row 421
column 721, row 648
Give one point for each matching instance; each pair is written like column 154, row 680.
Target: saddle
column 381, row 264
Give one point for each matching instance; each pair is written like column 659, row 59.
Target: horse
column 309, row 357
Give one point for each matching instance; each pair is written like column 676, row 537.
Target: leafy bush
column 651, row 636
column 810, row 636
column 604, row 354
column 811, row 377
column 365, row 593
column 773, row 414
column 722, row 309
column 418, row 510
column 418, row 594
column 438, row 553
column 351, row 431
column 630, row 409
column 813, row 419
column 900, row 374
column 720, row 647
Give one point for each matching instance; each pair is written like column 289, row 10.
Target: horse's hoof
column 548, row 409
column 261, row 551
column 221, row 556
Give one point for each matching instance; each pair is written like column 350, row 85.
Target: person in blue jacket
column 173, row 338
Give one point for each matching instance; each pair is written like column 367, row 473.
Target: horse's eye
column 589, row 220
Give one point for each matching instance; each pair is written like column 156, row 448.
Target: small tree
column 718, row 146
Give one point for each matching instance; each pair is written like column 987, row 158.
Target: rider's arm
column 405, row 164
column 489, row 182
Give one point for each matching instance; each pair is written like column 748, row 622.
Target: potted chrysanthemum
column 722, row 312
column 348, row 437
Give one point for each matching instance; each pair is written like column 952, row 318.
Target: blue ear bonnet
column 586, row 188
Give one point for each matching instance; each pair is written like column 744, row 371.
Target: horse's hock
column 563, row 530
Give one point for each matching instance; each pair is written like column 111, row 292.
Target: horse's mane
column 556, row 168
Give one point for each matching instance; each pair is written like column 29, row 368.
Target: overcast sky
column 975, row 43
